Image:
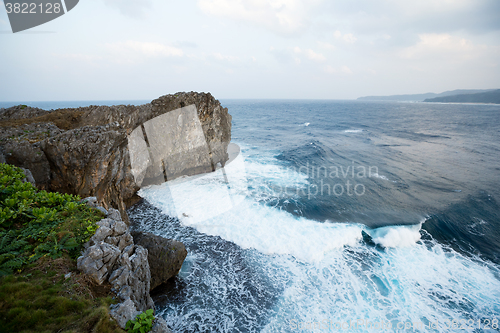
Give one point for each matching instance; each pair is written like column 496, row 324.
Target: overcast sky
column 325, row 49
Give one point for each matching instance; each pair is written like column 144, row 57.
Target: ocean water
column 338, row 216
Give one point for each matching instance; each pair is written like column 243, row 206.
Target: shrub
column 34, row 224
column 142, row 323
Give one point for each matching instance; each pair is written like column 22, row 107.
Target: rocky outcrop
column 21, row 112
column 111, row 256
column 108, row 153
column 87, row 151
column 165, row 256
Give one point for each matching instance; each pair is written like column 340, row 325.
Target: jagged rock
column 113, row 232
column 111, row 255
column 97, row 261
column 132, row 278
column 123, row 312
column 160, row 326
column 102, row 209
column 165, row 256
column 106, row 223
column 101, row 234
column 114, row 214
column 140, row 279
column 119, row 228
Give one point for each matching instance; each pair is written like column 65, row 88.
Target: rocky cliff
column 110, row 151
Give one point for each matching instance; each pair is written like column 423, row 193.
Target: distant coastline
column 492, row 97
column 433, row 97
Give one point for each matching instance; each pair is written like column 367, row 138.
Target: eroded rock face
column 21, row 147
column 165, row 256
column 85, row 151
column 112, row 256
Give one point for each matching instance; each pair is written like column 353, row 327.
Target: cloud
column 185, row 44
column 147, row 48
column 79, row 57
column 131, row 8
column 348, row 38
column 132, row 51
column 345, row 70
column 225, row 58
column 309, row 54
column 330, row 70
column 326, row 46
column 342, row 70
column 440, row 46
column 397, row 17
column 280, row 16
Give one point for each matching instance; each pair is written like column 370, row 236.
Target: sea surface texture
column 339, row 216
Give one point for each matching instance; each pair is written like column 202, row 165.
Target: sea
column 337, row 216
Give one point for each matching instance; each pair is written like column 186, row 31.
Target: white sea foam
column 396, row 236
column 405, row 285
column 322, row 271
column 376, row 175
column 198, row 198
column 249, row 224
column 216, row 207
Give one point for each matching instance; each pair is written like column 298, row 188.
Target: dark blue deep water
column 339, row 216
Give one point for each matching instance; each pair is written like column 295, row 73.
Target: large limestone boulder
column 165, row 256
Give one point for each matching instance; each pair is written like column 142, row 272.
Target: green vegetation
column 41, row 299
column 41, row 235
column 142, row 323
column 34, row 224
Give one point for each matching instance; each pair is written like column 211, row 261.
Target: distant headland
column 453, row 96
